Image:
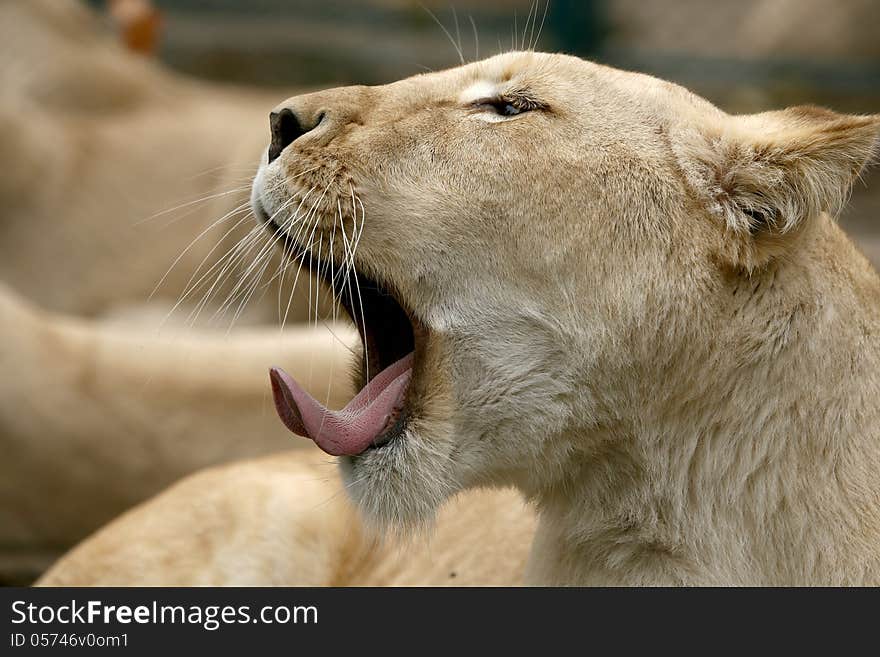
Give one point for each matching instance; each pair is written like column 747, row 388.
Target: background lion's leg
column 276, row 520
column 286, row 520
column 94, row 418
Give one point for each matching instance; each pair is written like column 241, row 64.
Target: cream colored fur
column 637, row 308
column 94, row 419
column 285, row 520
column 107, row 157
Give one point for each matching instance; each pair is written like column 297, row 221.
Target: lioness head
column 538, row 252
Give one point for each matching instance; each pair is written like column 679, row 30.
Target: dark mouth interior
column 386, row 329
column 384, row 326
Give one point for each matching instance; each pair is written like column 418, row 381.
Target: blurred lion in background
column 115, row 170
column 95, row 418
column 118, row 169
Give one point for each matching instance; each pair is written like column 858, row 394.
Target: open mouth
column 378, row 413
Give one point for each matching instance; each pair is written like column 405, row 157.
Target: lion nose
column 286, row 128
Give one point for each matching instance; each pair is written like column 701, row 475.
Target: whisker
column 223, row 167
column 348, row 258
column 513, row 43
column 189, row 203
column 249, row 295
column 192, row 243
column 476, row 37
column 351, row 350
column 187, row 289
column 312, row 212
column 245, row 247
column 293, row 240
column 190, row 285
column 445, row 31
column 245, row 217
column 286, row 225
column 263, row 255
column 541, row 27
column 457, row 32
column 533, row 16
column 242, row 249
column 226, row 260
column 221, row 262
column 333, row 305
column 361, row 302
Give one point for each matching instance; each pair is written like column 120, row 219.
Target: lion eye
column 501, row 107
column 505, row 109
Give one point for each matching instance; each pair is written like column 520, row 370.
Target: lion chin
column 588, row 285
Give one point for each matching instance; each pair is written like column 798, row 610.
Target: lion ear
column 768, row 175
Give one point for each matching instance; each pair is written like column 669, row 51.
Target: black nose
column 286, row 128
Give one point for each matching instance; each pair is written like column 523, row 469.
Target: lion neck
column 744, row 459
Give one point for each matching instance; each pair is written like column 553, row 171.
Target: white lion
column 588, row 284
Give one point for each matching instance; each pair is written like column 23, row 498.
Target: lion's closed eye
column 500, row 106
column 506, row 106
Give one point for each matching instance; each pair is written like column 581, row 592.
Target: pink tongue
column 351, row 430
